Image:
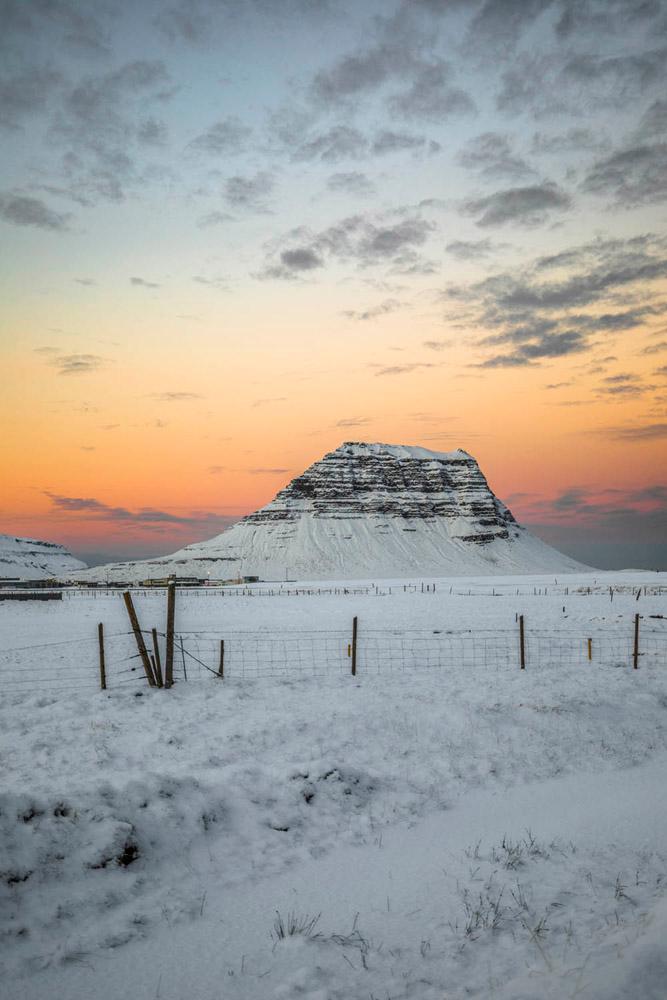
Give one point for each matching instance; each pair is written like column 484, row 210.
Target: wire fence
column 384, row 589
column 73, row 664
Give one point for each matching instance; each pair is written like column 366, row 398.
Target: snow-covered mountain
column 367, row 511
column 28, row 559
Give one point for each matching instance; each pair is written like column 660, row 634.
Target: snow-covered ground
column 468, row 830
column 29, row 559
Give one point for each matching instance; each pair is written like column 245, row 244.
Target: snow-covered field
column 466, row 830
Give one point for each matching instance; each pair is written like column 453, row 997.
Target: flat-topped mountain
column 367, row 511
column 29, row 559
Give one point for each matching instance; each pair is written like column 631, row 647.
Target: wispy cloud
column 143, row 283
column 175, row 397
column 144, row 517
column 78, row 364
column 374, row 312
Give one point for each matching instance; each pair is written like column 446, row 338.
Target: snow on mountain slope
column 28, row 559
column 367, row 510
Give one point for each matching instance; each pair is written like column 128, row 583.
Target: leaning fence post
column 103, row 672
column 354, row 646
column 171, row 608
column 157, row 665
column 221, row 668
column 522, row 643
column 141, row 645
column 635, row 652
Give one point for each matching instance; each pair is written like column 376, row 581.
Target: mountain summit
column 368, row 511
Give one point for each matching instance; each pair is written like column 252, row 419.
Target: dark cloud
column 619, row 79
column 26, row 93
column 544, row 83
column 21, row 210
column 354, row 183
column 61, row 22
column 431, row 95
column 152, row 132
column 656, row 348
column 249, row 193
column 88, row 282
column 603, row 16
column 345, row 142
column 340, row 142
column 623, row 384
column 224, row 137
column 638, row 432
column 185, row 23
column 101, row 120
column 575, row 140
column 364, row 71
column 390, row 141
column 300, row 259
column 501, row 23
column 436, row 345
column 145, row 516
column 382, row 309
column 492, row 155
column 360, row 238
column 524, row 206
column 143, row 283
column 540, row 319
column 473, row 249
column 636, row 175
column 653, row 122
column 77, row 364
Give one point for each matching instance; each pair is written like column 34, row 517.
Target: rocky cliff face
column 368, row 511
column 29, row 559
column 369, row 480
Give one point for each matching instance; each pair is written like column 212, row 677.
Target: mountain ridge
column 405, row 510
column 32, row 559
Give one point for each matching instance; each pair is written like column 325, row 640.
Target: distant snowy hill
column 29, row 559
column 367, row 510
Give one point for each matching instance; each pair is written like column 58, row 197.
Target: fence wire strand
column 73, row 664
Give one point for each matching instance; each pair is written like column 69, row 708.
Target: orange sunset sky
column 235, row 236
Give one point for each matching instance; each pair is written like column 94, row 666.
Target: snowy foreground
column 425, row 833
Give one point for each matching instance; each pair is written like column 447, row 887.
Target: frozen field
column 464, row 830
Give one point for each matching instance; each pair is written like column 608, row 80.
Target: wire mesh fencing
column 74, row 664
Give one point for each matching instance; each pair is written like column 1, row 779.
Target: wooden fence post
column 590, row 649
column 354, row 646
column 171, row 609
column 141, row 645
column 221, row 668
column 522, row 643
column 157, row 665
column 103, row 672
column 635, row 651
